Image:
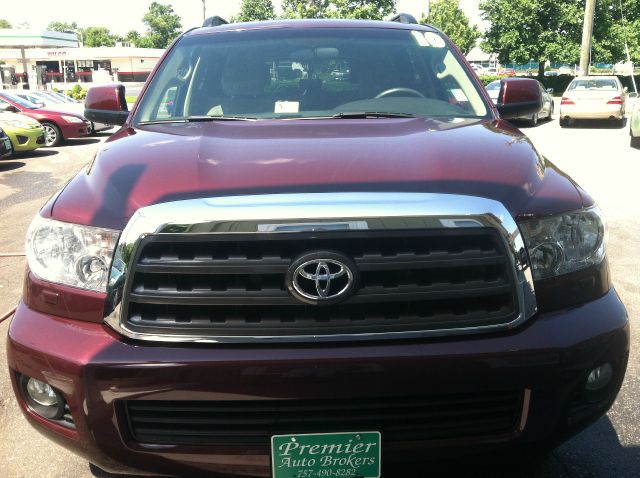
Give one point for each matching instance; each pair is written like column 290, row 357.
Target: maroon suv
column 270, row 270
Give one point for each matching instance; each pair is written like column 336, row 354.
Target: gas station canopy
column 15, row 38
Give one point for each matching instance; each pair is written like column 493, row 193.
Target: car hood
column 17, row 117
column 170, row 162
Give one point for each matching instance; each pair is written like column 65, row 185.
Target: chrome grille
column 235, row 285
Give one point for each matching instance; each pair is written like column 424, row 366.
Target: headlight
column 15, row 124
column 70, row 254
column 565, row 243
column 72, row 119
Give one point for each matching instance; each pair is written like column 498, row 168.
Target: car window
column 20, row 101
column 494, row 85
column 298, row 73
column 593, row 84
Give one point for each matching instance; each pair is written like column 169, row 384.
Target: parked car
column 593, row 97
column 48, row 100
column 65, row 98
column 507, row 72
column 6, row 149
column 491, row 71
column 58, row 125
column 479, row 69
column 270, row 280
column 634, row 125
column 25, row 133
column 551, row 73
column 546, row 112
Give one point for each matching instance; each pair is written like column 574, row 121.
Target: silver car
column 593, row 97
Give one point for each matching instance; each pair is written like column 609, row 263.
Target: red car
column 266, row 273
column 507, row 72
column 57, row 125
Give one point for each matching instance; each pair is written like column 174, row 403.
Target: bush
column 486, row 79
column 77, row 92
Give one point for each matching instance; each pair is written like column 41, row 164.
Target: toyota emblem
column 322, row 278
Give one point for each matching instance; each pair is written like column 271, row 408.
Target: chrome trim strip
column 526, row 402
column 304, row 212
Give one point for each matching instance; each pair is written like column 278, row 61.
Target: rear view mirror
column 106, row 104
column 519, row 97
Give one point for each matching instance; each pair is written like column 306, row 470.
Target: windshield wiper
column 194, row 119
column 372, row 114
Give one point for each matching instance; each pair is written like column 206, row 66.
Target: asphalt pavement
column 598, row 156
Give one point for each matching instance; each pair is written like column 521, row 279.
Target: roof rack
column 404, row 18
column 214, row 21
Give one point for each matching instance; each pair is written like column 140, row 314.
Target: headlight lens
column 16, row 124
column 70, row 254
column 72, row 119
column 565, row 243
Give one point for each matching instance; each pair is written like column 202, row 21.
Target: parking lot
column 596, row 155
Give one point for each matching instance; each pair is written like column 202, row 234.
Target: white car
column 49, row 100
column 593, row 97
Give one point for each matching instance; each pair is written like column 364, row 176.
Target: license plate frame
column 327, row 455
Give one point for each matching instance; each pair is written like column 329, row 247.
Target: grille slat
column 253, row 422
column 226, row 285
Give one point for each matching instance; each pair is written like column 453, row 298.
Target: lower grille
column 253, row 422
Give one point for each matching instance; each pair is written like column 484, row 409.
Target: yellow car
column 26, row 134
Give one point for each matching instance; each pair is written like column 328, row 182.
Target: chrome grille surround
column 302, row 213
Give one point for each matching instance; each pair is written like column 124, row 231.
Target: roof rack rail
column 214, row 21
column 404, row 18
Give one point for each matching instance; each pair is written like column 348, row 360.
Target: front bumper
column 551, row 355
column 26, row 139
column 75, row 130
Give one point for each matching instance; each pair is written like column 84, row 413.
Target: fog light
column 42, row 398
column 42, row 393
column 599, row 377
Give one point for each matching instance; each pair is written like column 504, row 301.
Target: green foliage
column 163, row 26
column 77, row 92
column 522, row 30
column 4, row 23
column 255, row 10
column 354, row 9
column 98, row 36
column 486, row 79
column 448, row 17
column 62, row 26
column 132, row 37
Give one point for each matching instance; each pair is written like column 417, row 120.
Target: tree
column 540, row 30
column 356, row 9
column 448, row 17
column 255, row 10
column 609, row 30
column 4, row 23
column 163, row 26
column 62, row 26
column 132, row 37
column 98, row 36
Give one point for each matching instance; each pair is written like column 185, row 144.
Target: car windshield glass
column 578, row 85
column 313, row 72
column 50, row 99
column 20, row 101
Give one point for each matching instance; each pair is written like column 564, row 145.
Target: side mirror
column 106, row 104
column 633, row 94
column 550, row 91
column 12, row 109
column 519, row 97
column 625, row 90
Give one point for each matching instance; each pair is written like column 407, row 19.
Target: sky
column 120, row 16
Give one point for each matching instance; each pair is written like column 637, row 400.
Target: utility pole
column 204, row 10
column 587, row 33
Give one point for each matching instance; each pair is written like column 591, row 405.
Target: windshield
column 600, row 84
column 20, row 101
column 313, row 72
